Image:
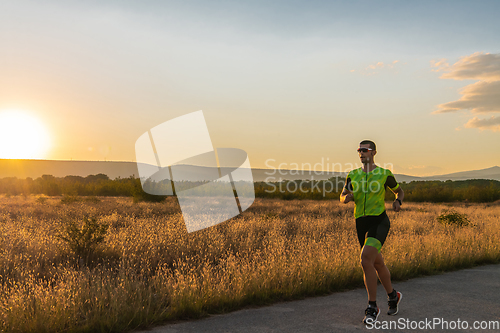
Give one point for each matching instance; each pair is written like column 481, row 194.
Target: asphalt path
column 450, row 302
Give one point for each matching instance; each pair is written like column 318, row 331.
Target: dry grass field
column 146, row 268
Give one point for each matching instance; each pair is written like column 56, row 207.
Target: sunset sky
column 289, row 82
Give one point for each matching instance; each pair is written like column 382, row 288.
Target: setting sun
column 22, row 136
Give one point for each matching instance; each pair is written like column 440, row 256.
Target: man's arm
column 400, row 194
column 391, row 183
column 346, row 196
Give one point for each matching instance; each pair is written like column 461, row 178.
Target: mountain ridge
column 24, row 168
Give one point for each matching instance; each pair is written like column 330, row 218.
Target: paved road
column 467, row 295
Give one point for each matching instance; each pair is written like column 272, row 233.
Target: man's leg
column 368, row 257
column 383, row 273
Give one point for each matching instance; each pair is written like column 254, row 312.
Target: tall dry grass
column 149, row 269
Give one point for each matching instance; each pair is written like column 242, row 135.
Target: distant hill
column 36, row 168
column 489, row 173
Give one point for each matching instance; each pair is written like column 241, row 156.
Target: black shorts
column 373, row 226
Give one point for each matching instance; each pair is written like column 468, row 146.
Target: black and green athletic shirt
column 368, row 189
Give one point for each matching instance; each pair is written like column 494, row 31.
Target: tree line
column 473, row 190
column 476, row 190
column 92, row 185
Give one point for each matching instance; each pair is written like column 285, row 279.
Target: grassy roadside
column 148, row 269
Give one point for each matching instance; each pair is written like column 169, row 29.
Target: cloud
column 477, row 66
column 375, row 67
column 441, row 65
column 378, row 64
column 479, row 97
column 492, row 123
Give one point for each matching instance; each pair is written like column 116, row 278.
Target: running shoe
column 393, row 304
column 371, row 314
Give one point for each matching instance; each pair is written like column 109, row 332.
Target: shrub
column 93, row 199
column 83, row 238
column 67, row 199
column 453, row 218
column 141, row 196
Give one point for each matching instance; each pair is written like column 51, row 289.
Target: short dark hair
column 369, row 142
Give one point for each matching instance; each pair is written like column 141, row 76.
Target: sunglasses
column 364, row 150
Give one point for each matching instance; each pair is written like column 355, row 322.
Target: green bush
column 140, row 196
column 83, row 238
column 68, row 199
column 453, row 218
column 93, row 199
column 41, row 199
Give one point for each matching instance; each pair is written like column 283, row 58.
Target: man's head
column 367, row 150
column 370, row 143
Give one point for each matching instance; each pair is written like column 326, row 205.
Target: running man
column 366, row 187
